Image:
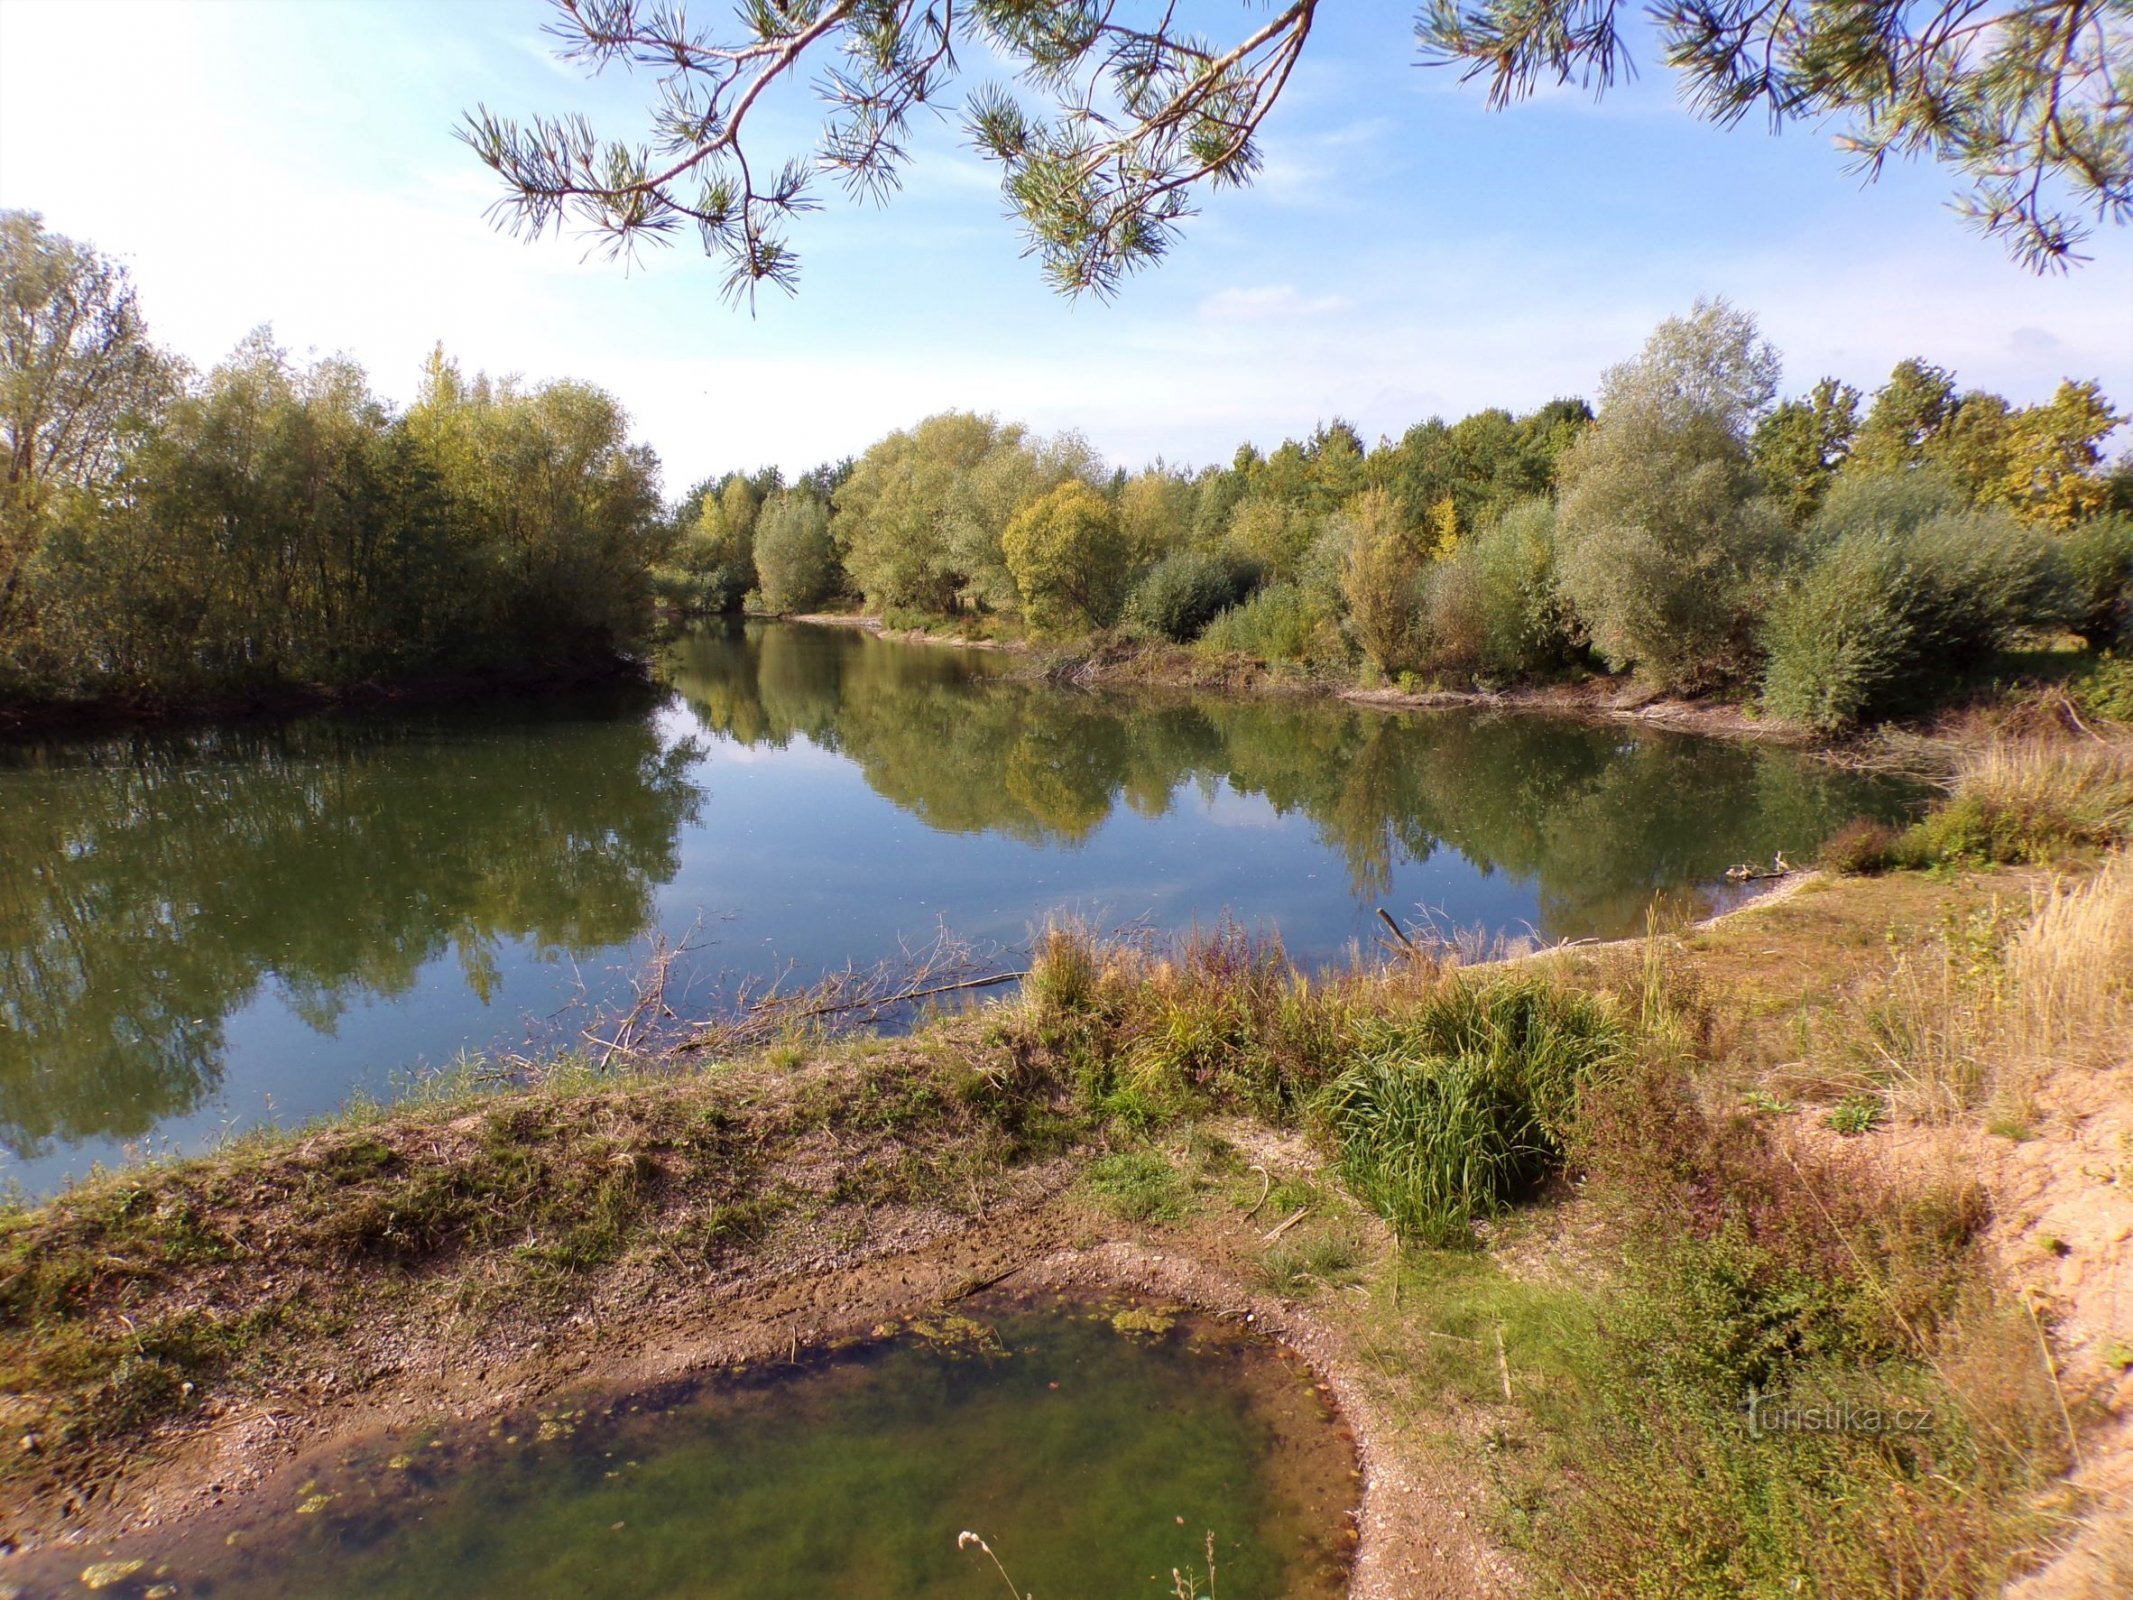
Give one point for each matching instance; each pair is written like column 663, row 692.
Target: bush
column 794, row 559
column 1862, row 846
column 1377, row 576
column 1494, row 608
column 1453, row 1112
column 1884, row 617
column 1279, row 623
column 2030, row 802
column 2099, row 562
column 2105, row 690
column 1186, row 590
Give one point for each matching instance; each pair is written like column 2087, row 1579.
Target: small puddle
column 1094, row 1445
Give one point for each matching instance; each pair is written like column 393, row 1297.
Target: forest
column 1834, row 558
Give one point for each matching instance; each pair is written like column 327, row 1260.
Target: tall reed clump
column 1450, row 1112
column 2031, row 800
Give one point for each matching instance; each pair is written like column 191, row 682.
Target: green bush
column 1279, row 623
column 2099, row 562
column 794, row 558
column 1451, row 1113
column 1493, row 608
column 1186, row 590
column 2105, row 690
column 1862, row 845
column 1883, row 618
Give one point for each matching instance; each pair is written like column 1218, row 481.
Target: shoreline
column 1177, row 667
column 23, row 721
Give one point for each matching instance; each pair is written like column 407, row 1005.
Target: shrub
column 1862, row 845
column 2106, row 689
column 1882, row 617
column 2032, row 801
column 1494, row 607
column 1378, row 572
column 2099, row 561
column 1186, row 590
column 1279, row 623
column 1454, row 1111
column 794, row 559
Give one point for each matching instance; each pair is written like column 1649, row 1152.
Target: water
column 206, row 929
column 1093, row 1460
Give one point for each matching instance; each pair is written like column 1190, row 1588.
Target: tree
column 904, row 529
column 1069, row 560
column 1135, row 115
column 1800, row 445
column 796, row 562
column 2051, row 478
column 78, row 378
column 1662, row 533
column 2025, row 98
column 1378, row 580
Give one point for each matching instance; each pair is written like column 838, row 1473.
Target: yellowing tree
column 2050, row 480
column 1378, row 580
column 1069, row 559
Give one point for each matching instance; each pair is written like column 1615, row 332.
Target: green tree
column 1663, row 536
column 1800, row 445
column 2051, row 478
column 1378, row 579
column 78, row 379
column 917, row 524
column 1068, row 557
column 793, row 554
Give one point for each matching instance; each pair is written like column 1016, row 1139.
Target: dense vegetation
column 270, row 523
column 1843, row 561
column 173, row 535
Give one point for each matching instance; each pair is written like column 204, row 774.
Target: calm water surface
column 207, row 929
column 1092, row 1460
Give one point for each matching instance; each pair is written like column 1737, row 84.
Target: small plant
column 1856, row 1115
column 1764, row 1103
column 1140, row 1185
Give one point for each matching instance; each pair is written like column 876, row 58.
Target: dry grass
column 2031, row 799
column 1971, row 1015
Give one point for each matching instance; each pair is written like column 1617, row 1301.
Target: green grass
column 1452, row 1113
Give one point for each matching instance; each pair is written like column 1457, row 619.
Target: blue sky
column 1407, row 252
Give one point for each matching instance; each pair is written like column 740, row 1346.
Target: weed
column 1140, row 1185
column 1856, row 1115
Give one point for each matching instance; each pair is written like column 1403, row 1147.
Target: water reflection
column 239, row 924
column 1598, row 817
column 149, row 887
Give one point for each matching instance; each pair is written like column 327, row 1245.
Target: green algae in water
column 1092, row 1461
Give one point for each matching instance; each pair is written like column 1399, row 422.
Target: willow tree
column 78, row 379
column 1119, row 115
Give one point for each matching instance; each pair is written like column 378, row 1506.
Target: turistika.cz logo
column 1783, row 1413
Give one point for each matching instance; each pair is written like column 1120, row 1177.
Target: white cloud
column 1268, row 303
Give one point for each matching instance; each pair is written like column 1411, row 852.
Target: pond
column 1095, row 1448
column 205, row 929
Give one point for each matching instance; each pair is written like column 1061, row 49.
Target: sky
column 1405, row 253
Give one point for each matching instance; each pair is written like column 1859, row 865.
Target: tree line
column 1845, row 557
column 167, row 534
